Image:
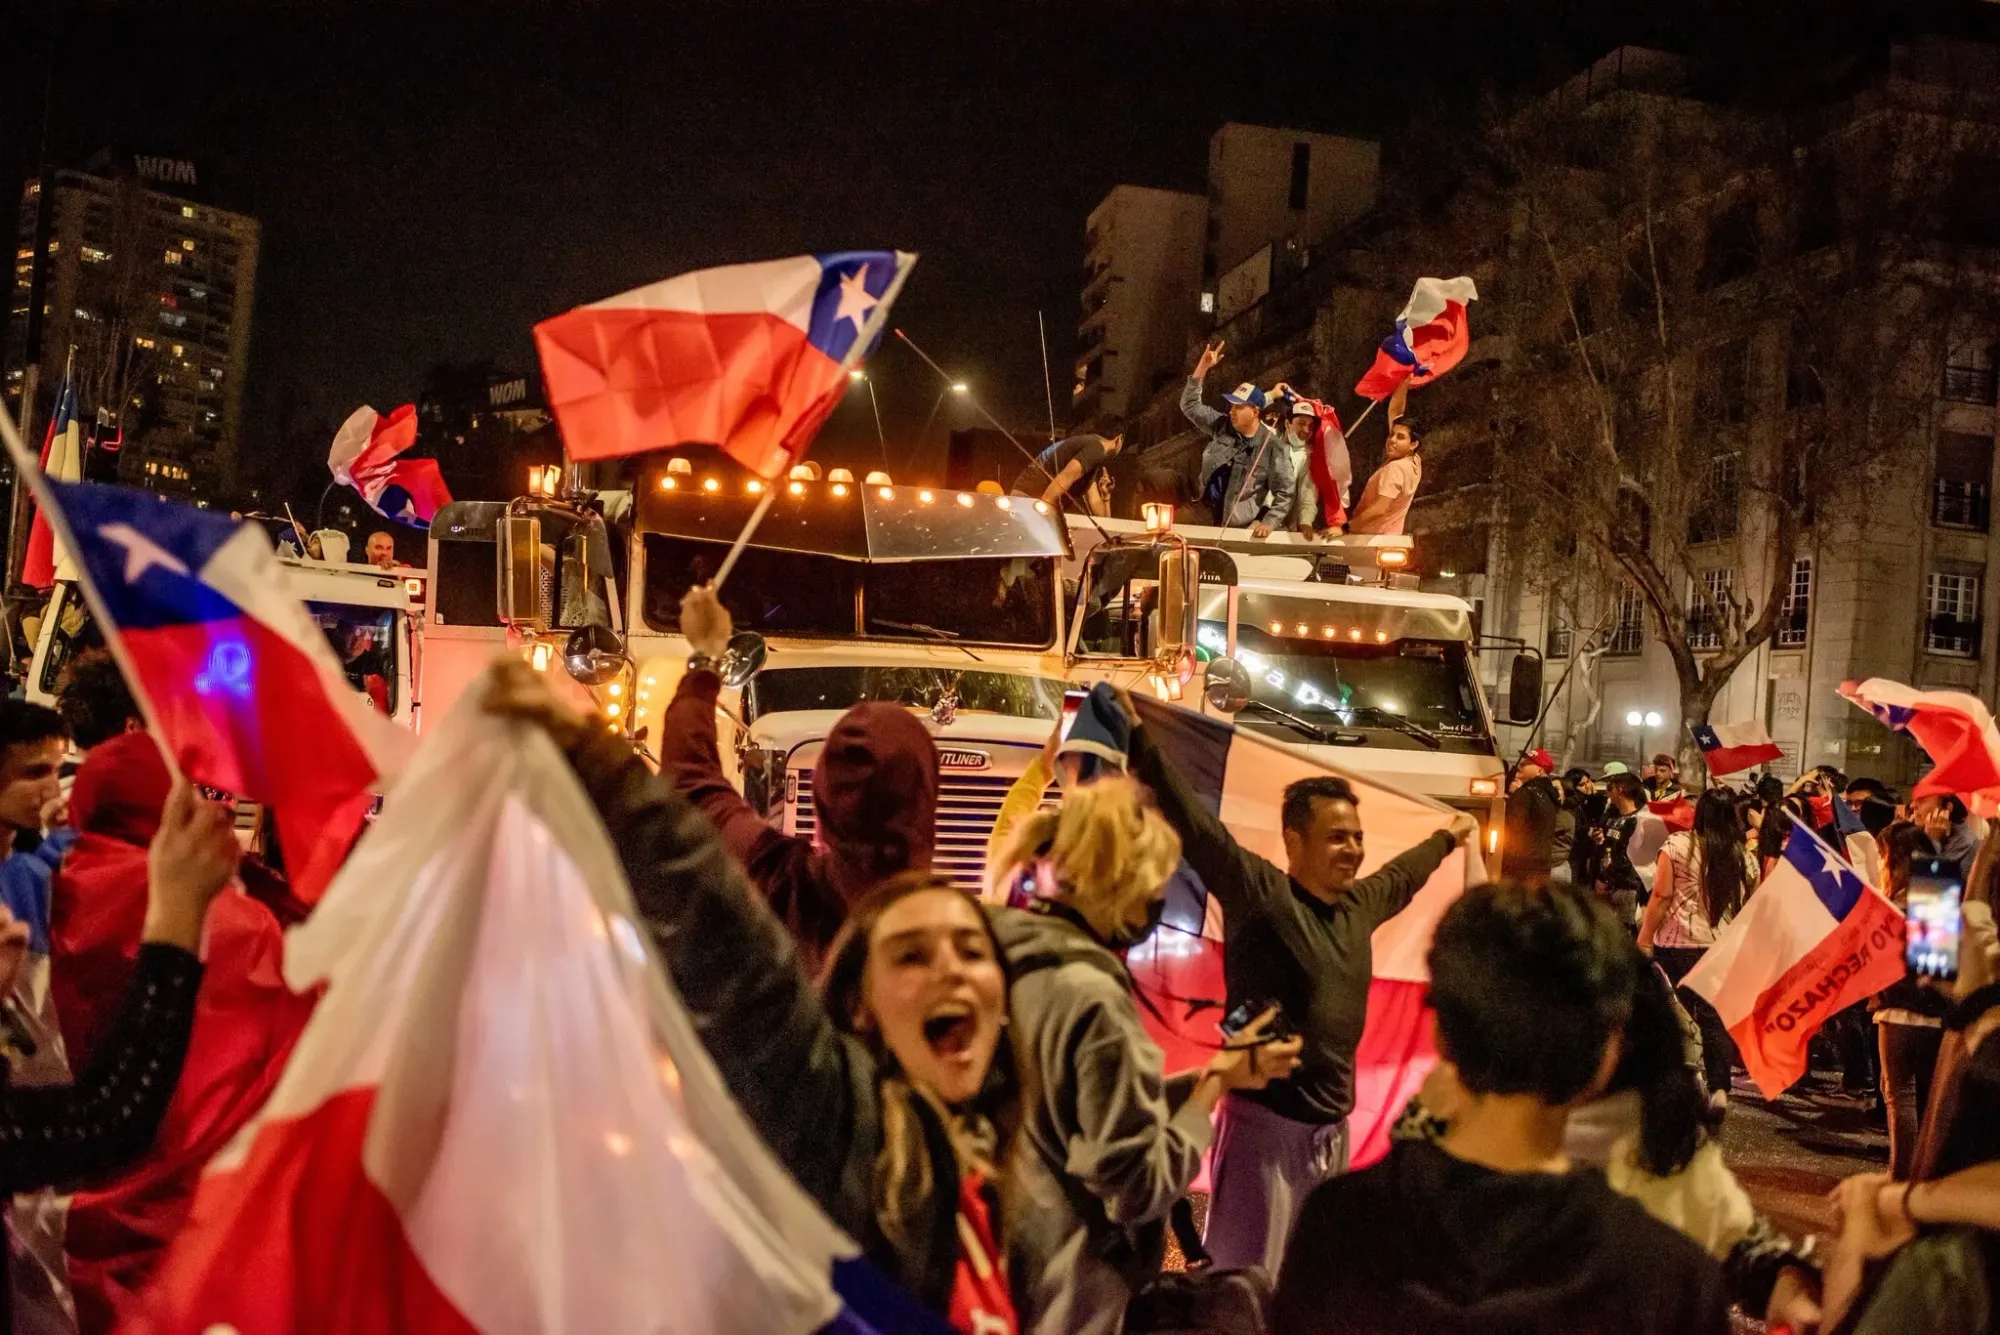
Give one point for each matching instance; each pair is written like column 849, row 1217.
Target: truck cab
column 369, row 616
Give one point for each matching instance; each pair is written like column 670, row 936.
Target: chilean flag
column 62, row 459
column 1432, row 335
column 1729, row 747
column 1327, row 459
column 1812, row 940
column 751, row 357
column 367, row 456
column 1956, row 730
column 500, row 1118
column 1243, row 776
column 243, row 687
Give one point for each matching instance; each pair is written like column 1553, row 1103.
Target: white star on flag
column 141, row 552
column 855, row 301
column 1834, row 866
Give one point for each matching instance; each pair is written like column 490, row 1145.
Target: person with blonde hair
column 1108, row 1143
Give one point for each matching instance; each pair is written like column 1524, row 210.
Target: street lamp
column 960, row 387
column 1646, row 722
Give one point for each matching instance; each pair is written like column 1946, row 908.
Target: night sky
column 431, row 183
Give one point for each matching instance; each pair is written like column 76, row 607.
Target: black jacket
column 812, row 1091
column 1538, row 831
column 1425, row 1244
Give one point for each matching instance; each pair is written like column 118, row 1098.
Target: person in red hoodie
column 246, row 1020
column 875, row 792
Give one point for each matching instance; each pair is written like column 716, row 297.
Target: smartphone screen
column 1239, row 1018
column 1933, row 922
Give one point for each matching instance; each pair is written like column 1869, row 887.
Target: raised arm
column 1240, row 880
column 1192, row 407
column 1389, row 890
column 1398, row 400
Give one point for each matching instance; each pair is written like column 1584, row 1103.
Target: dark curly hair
column 94, row 699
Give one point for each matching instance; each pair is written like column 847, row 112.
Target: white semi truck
column 977, row 610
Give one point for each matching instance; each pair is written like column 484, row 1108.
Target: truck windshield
column 784, row 690
column 979, row 600
column 364, row 640
column 1338, row 685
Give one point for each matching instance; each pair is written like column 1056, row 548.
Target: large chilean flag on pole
column 1812, row 940
column 1242, row 777
column 367, row 455
column 240, row 684
column 750, row 357
column 1729, row 747
column 62, row 458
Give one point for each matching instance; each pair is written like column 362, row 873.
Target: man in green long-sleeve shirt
column 1300, row 939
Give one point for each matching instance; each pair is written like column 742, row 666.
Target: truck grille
column 968, row 806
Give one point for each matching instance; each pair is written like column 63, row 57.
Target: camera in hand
column 1934, row 921
column 1242, row 1015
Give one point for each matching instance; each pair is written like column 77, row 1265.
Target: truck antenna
column 1026, row 453
column 1048, row 385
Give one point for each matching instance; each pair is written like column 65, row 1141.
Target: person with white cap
column 1246, row 473
column 1322, row 470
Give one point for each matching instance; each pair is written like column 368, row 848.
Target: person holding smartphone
column 1909, row 1026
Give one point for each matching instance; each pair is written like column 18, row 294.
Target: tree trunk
column 1697, row 699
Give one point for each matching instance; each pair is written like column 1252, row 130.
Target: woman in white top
column 1702, row 879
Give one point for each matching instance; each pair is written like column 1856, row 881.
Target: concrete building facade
column 1142, row 274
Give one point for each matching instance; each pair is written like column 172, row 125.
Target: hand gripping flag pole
column 863, row 343
column 29, row 470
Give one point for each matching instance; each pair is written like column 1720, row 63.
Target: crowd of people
column 967, row 1084
column 1271, row 461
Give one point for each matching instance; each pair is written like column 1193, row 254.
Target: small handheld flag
column 367, row 456
column 1730, row 747
column 1432, row 335
column 62, row 459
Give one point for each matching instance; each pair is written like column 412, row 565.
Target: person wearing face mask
column 889, row 1092
column 875, row 789
column 1300, row 938
column 1322, row 471
column 1110, row 1143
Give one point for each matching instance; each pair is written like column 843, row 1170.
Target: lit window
column 1797, row 612
column 54, row 246
column 143, row 342
column 1208, row 303
column 187, row 211
column 92, row 255
column 172, row 257
column 1709, row 608
column 24, row 253
column 1629, row 636
column 187, row 245
column 179, row 350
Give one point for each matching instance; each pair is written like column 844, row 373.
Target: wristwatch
column 699, row 662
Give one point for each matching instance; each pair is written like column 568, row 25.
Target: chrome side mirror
column 594, row 655
column 1228, row 685
column 743, row 659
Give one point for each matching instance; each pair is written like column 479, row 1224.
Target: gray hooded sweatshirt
column 1101, row 1115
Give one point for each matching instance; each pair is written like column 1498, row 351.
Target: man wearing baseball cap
column 1245, row 470
column 1539, row 829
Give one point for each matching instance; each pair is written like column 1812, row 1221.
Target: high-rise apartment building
column 1142, row 276
column 146, row 290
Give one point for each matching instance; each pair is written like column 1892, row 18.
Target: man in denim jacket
column 1246, row 472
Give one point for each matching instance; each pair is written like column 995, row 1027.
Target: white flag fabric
column 500, row 1118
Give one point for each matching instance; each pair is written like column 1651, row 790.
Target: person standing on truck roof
column 1321, row 468
column 875, row 792
column 1299, row 938
column 1070, row 469
column 1246, row 474
column 381, row 550
column 1384, row 506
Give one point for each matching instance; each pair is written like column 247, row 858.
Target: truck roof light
column 925, row 497
column 668, row 483
column 796, row 488
column 886, row 493
column 1381, row 637
column 1277, row 628
column 1393, row 556
column 838, row 488
column 1003, row 502
column 840, row 475
column 1484, row 788
column 1329, row 631
column 806, row 472
column 1299, row 629
column 879, row 478
column 755, row 486
column 1354, row 634
column 965, row 498
column 1041, row 507
column 681, row 466
column 710, row 484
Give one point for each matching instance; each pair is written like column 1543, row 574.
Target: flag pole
column 27, row 468
column 863, row 341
